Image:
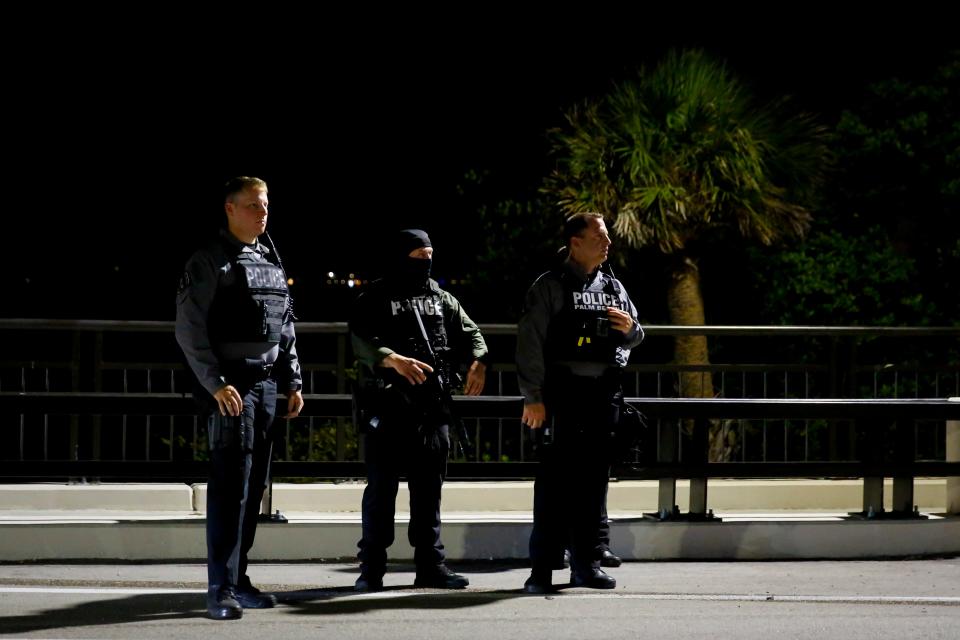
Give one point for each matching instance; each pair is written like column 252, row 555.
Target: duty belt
column 254, row 371
column 594, row 370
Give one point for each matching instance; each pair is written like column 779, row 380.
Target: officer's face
column 592, row 246
column 247, row 214
column 423, row 253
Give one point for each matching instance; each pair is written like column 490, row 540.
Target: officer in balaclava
column 411, row 339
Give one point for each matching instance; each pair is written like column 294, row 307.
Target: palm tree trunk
column 685, row 303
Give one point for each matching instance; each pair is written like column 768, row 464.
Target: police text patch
column 428, row 306
column 264, row 277
column 595, row 301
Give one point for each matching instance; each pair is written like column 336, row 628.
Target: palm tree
column 681, row 156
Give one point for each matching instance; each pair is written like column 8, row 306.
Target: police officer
column 409, row 336
column 574, row 337
column 235, row 327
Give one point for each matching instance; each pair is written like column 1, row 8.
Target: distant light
column 116, row 267
column 351, row 275
column 330, row 274
column 350, row 283
column 27, row 280
column 329, row 281
column 290, row 282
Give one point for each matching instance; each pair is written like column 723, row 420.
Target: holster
column 367, row 405
column 631, row 435
column 586, row 405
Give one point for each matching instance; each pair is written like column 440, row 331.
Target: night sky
column 359, row 128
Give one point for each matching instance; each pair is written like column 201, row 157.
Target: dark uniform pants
column 393, row 450
column 240, row 448
column 569, row 494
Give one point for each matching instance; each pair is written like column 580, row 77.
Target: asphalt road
column 875, row 599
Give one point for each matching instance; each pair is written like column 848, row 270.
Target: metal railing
column 884, row 424
column 141, row 357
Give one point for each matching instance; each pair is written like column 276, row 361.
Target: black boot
column 539, row 582
column 368, row 582
column 371, row 577
column 592, row 579
column 250, row 597
column 609, row 559
column 222, row 604
column 439, row 577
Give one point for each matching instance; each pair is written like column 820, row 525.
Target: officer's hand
column 227, row 396
column 409, row 368
column 620, row 320
column 534, row 415
column 476, row 378
column 294, row 404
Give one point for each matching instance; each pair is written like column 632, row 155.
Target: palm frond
column 682, row 149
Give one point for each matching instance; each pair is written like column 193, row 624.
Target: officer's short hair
column 574, row 225
column 240, row 184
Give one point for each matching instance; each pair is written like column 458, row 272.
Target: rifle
column 440, row 386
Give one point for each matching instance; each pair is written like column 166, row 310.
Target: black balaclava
column 412, row 272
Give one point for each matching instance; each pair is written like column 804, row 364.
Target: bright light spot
column 330, row 274
column 290, row 281
column 351, row 275
column 350, row 283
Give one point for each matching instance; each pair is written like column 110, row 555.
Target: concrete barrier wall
column 49, row 522
column 626, row 496
column 474, row 540
column 99, row 497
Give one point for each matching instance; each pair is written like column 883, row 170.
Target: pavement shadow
column 112, row 611
column 489, row 566
column 346, row 602
column 464, row 567
column 168, row 606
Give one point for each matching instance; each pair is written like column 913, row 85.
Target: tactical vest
column 400, row 329
column 581, row 331
column 251, row 302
